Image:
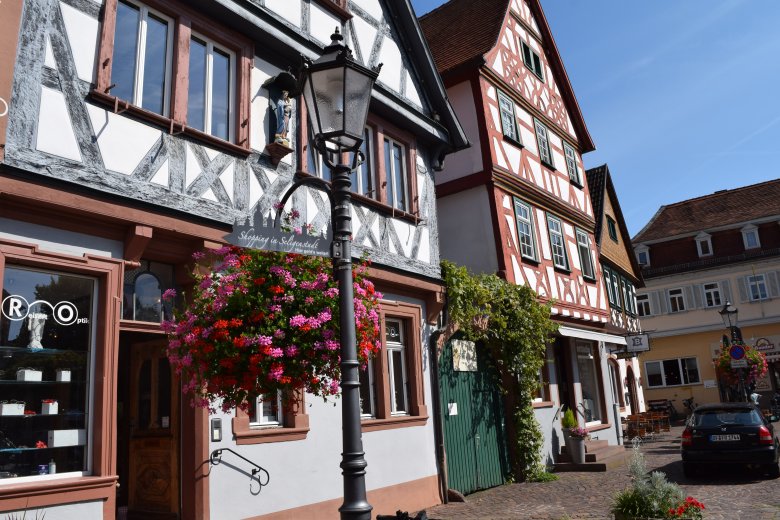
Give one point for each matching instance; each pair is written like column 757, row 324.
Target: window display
column 46, row 336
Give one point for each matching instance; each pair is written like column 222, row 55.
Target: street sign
column 739, row 363
column 737, row 352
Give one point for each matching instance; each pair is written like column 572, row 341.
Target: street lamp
column 337, row 92
column 729, row 315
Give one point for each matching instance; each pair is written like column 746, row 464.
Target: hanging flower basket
column 756, row 365
column 260, row 322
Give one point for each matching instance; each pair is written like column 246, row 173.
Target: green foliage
column 515, row 328
column 543, row 476
column 652, row 495
column 568, row 421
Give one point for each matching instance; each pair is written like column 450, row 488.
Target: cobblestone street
column 727, row 495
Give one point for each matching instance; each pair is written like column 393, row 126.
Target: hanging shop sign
column 625, row 355
column 264, row 232
column 638, row 343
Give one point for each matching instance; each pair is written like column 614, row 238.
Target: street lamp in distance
column 729, row 314
column 337, row 93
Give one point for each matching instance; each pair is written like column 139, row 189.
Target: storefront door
column 153, row 476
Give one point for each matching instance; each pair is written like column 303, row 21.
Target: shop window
column 170, row 64
column 589, row 380
column 142, row 294
column 46, row 369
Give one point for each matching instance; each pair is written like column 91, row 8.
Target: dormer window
column 704, row 244
column 750, row 237
column 642, row 256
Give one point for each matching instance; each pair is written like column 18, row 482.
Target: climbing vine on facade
column 509, row 322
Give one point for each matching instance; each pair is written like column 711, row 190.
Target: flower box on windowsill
column 60, row 438
column 49, row 407
column 11, row 408
column 29, row 374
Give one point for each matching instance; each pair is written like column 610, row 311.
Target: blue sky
column 681, row 97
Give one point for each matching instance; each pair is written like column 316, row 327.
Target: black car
column 731, row 434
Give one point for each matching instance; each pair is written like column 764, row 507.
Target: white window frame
column 357, row 187
column 533, row 54
column 608, row 283
column 683, row 372
column 759, row 282
column 586, row 254
column 543, row 144
column 140, row 56
column 747, row 232
column 397, row 346
column 681, row 305
column 529, row 221
column 371, row 392
column 643, row 307
column 642, row 250
column 259, row 420
column 711, row 290
column 210, row 45
column 514, row 132
column 555, row 222
column 703, row 240
column 389, row 172
column 616, row 289
column 571, row 164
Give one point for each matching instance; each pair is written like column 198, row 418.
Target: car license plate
column 719, row 438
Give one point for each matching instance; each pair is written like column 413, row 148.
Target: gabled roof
column 719, row 209
column 600, row 186
column 462, row 31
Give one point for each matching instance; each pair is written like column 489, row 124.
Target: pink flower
column 169, row 294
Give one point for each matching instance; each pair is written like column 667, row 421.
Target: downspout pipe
column 438, row 420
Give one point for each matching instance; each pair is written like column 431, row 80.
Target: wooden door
column 154, row 434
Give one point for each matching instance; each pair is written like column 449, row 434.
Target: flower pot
column 576, row 448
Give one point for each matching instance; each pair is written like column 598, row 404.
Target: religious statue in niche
column 281, row 91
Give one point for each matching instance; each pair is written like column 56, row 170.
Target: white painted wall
column 307, row 472
column 468, row 161
column 92, row 510
column 58, row 240
column 466, row 230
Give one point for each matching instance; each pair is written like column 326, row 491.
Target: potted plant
column 576, row 445
column 568, row 421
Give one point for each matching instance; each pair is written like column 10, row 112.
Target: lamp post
column 729, row 314
column 337, row 92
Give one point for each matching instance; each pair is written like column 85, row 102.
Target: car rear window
column 746, row 417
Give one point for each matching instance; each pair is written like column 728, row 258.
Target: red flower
column 276, row 289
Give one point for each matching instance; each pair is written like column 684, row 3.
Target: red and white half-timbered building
column 522, row 183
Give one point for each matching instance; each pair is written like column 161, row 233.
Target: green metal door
column 474, row 433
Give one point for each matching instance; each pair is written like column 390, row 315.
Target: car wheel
column 690, row 470
column 773, row 470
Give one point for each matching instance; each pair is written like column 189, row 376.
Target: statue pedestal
column 277, row 151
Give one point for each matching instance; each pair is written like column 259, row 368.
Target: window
column 508, row 119
column 363, row 176
column 525, row 230
column 591, row 389
column 643, row 305
column 142, row 294
column 586, row 258
column 704, row 244
column 750, row 237
column 395, row 167
column 757, row 287
column 543, row 396
column 143, row 50
column 615, row 383
column 391, row 386
column 266, row 411
column 46, row 355
column 611, row 279
column 676, row 300
column 545, row 154
column 643, row 256
column 712, row 295
column 207, row 96
column 557, row 243
column 209, row 100
column 612, row 228
column 571, row 164
column 532, row 60
column 672, row 372
column 629, row 295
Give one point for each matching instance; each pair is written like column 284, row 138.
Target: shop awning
column 593, row 336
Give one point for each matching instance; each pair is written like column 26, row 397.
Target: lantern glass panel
column 358, row 98
column 329, row 97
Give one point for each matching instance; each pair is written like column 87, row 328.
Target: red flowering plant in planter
column 756, row 365
column 261, row 322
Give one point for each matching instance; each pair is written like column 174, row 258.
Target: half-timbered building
column 522, row 187
column 135, row 132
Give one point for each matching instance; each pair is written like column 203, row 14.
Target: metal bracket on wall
column 216, row 458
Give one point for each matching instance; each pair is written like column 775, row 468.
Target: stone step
column 593, row 445
column 615, row 460
column 601, row 454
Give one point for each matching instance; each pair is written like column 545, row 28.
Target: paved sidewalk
column 738, row 495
